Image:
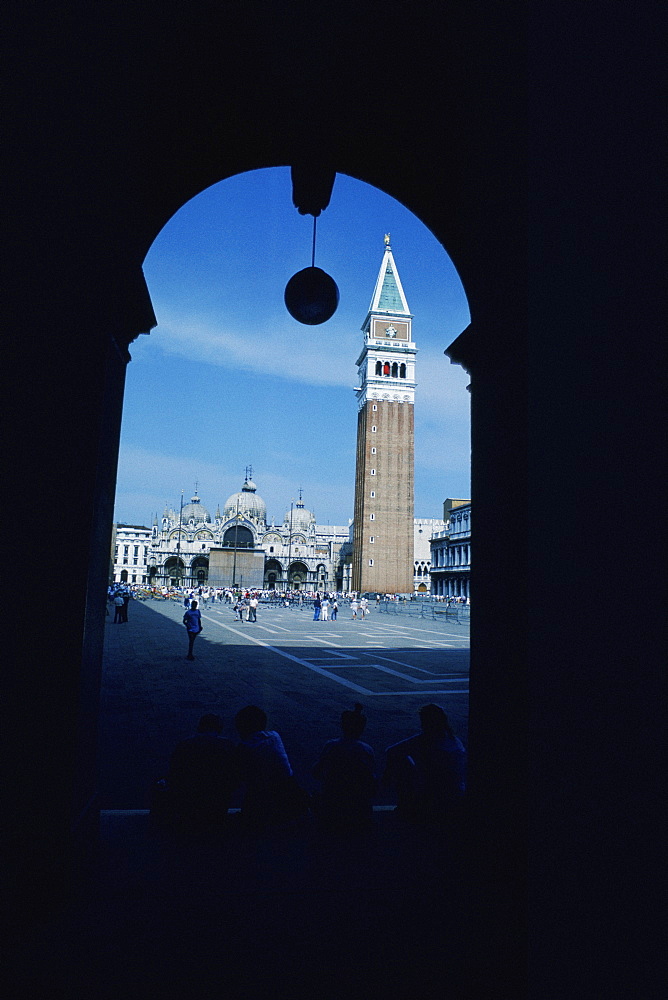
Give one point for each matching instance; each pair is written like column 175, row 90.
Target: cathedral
column 190, row 546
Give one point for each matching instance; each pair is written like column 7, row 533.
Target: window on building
column 134, row 562
column 372, row 517
column 373, row 472
column 373, row 493
column 402, row 371
column 378, row 368
column 372, row 538
column 373, row 451
column 370, row 562
column 126, row 549
column 136, row 551
column 395, row 370
column 373, row 429
column 386, row 368
column 271, row 548
column 374, row 407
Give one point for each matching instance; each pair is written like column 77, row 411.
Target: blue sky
column 228, row 379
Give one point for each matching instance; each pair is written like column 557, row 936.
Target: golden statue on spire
column 387, row 240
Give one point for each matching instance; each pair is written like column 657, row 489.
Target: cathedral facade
column 189, row 546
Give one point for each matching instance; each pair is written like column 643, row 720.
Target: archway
column 297, row 576
column 273, row 574
column 199, row 570
column 174, row 572
column 239, row 537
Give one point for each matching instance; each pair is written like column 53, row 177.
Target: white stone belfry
column 386, row 366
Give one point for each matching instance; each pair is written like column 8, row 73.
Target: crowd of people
column 210, row 596
column 427, row 773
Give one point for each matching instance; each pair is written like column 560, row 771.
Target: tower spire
column 388, row 295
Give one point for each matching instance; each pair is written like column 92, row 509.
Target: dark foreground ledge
column 289, row 913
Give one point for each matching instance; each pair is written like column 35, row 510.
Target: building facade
column 190, row 546
column 423, row 530
column 130, row 553
column 383, row 543
column 451, row 552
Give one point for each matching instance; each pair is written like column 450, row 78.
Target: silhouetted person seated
column 271, row 792
column 346, row 770
column 203, row 774
column 428, row 771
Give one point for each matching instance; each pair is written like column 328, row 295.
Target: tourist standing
column 118, row 608
column 192, row 620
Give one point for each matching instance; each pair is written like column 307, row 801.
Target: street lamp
column 292, row 502
column 178, row 544
column 236, row 536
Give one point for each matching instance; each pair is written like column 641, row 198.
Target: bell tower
column 384, row 490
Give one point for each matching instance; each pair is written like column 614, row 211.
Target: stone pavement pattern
column 153, row 697
column 285, row 915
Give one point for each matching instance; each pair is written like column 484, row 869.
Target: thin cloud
column 301, row 355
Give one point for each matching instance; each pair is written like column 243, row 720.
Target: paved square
column 303, row 673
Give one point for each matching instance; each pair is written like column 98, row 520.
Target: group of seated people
column 426, row 771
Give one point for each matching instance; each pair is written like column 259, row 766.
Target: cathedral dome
column 195, row 511
column 302, row 518
column 247, row 502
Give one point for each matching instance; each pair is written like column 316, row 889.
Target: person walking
column 192, row 620
column 252, row 609
column 364, row 607
column 353, row 607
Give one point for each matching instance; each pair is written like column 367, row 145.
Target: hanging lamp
column 311, row 295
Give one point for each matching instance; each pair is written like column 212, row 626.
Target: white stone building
column 130, row 553
column 298, row 553
column 424, row 528
column 451, row 552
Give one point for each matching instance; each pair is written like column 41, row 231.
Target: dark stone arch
column 239, row 536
